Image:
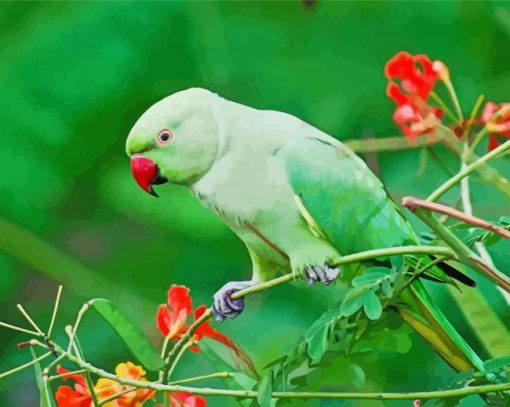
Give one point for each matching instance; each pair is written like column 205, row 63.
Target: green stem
column 373, row 145
column 24, row 366
column 17, row 328
column 116, row 395
column 465, row 255
column 442, row 105
column 354, row 258
column 184, row 340
column 478, row 138
column 468, row 170
column 453, row 95
column 178, row 358
column 207, row 391
column 72, row 334
column 55, row 309
column 59, row 376
column 218, row 375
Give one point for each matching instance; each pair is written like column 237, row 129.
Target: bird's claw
column 324, row 274
column 226, row 307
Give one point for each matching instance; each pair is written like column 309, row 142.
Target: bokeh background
column 74, row 77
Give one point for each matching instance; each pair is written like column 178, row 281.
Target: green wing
column 344, row 198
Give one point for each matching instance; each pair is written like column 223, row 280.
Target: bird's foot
column 324, row 274
column 226, row 307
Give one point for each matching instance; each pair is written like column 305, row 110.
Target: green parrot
column 297, row 197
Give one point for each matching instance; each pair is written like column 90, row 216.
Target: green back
column 346, row 200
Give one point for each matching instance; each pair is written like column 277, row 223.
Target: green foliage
column 78, row 75
column 129, row 332
column 45, row 397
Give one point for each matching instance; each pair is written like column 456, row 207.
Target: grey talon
column 225, row 306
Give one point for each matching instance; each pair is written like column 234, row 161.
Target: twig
column 28, row 364
column 468, row 170
column 25, row 314
column 17, row 328
column 218, row 375
column 184, row 340
column 464, row 254
column 61, row 375
column 55, row 309
column 72, row 334
column 207, row 391
column 178, row 357
column 376, row 144
column 354, row 258
column 412, row 203
column 116, row 395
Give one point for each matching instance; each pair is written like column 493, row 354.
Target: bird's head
column 175, row 140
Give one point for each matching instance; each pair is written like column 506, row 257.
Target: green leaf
column 397, row 262
column 386, row 288
column 356, row 375
column 353, row 301
column 495, row 364
column 372, row 305
column 317, row 336
column 371, row 276
column 265, row 390
column 46, row 398
column 130, row 333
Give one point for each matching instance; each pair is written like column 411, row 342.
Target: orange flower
column 496, row 118
column 411, row 79
column 107, row 387
column 79, row 396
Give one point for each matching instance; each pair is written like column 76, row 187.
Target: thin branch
column 465, row 255
column 61, row 375
column 354, row 258
column 178, row 357
column 218, row 375
column 376, row 144
column 287, row 395
column 184, row 340
column 468, row 170
column 25, row 314
column 55, row 309
column 72, row 334
column 17, row 328
column 24, row 366
column 117, row 395
column 412, row 203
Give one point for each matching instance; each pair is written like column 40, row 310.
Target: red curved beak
column 145, row 172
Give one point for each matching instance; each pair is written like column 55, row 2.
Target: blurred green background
column 74, row 77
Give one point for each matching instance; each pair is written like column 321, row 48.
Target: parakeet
column 297, row 197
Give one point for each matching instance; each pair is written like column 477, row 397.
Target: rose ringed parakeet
column 297, row 198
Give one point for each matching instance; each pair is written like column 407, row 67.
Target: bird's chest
column 255, row 200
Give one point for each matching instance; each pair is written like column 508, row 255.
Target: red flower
column 411, row 79
column 179, row 399
column 496, row 118
column 172, row 317
column 66, row 396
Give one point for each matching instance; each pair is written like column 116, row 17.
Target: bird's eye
column 164, row 136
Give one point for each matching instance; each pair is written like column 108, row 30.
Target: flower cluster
column 172, row 320
column 411, row 81
column 80, row 395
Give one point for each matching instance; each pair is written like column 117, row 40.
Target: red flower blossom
column 496, row 118
column 411, row 79
column 180, row 399
column 79, row 396
column 172, row 318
